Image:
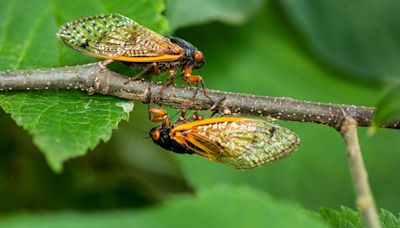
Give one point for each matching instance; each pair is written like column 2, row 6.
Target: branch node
column 91, row 91
column 347, row 125
column 363, row 202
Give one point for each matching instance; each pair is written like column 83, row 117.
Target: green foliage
column 348, row 218
column 345, row 218
column 389, row 220
column 223, row 206
column 360, row 37
column 63, row 124
column 183, row 13
column 388, row 108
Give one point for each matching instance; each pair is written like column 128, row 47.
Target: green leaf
column 388, row 108
column 360, row 37
column 388, row 219
column 345, row 218
column 182, row 13
column 348, row 218
column 64, row 124
column 223, row 206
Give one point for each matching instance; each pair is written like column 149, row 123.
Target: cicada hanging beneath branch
column 242, row 143
column 116, row 37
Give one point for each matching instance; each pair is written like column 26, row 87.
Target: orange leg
column 159, row 115
column 197, row 116
column 189, row 78
column 183, row 118
column 144, row 70
column 183, row 113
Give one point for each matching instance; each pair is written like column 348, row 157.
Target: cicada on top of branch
column 242, row 143
column 116, row 37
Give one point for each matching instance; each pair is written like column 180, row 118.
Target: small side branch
column 365, row 201
column 94, row 79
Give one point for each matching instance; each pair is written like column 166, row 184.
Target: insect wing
column 240, row 142
column 113, row 36
column 202, row 146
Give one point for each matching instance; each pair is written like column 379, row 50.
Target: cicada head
column 198, row 59
column 192, row 56
column 160, row 136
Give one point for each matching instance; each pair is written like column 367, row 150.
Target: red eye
column 198, row 56
column 155, row 135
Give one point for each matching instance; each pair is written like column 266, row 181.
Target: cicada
column 116, row 37
column 242, row 143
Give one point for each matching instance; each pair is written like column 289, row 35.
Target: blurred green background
column 343, row 52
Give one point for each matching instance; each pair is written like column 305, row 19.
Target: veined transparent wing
column 239, row 142
column 113, row 36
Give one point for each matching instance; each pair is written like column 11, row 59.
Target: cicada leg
column 169, row 81
column 144, row 70
column 214, row 108
column 183, row 118
column 191, row 79
column 159, row 115
column 103, row 64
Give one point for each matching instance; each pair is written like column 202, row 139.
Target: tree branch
column 365, row 201
column 93, row 79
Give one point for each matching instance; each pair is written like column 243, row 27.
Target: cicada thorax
column 243, row 143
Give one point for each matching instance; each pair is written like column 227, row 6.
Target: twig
column 93, row 79
column 365, row 201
